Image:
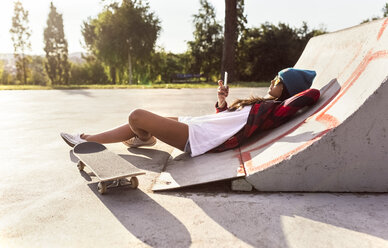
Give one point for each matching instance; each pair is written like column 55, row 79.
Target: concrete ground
column 46, row 202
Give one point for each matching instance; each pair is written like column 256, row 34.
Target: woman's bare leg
column 118, row 134
column 143, row 124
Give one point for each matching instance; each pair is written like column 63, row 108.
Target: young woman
column 228, row 128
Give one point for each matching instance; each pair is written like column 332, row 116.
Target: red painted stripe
column 356, row 54
column 382, row 29
column 356, row 74
column 331, row 119
column 246, row 156
column 241, row 168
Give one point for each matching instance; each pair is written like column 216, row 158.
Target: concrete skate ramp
column 343, row 146
column 338, row 145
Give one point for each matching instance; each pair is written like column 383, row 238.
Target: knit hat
column 297, row 80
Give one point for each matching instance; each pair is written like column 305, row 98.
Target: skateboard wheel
column 80, row 166
column 101, row 187
column 134, row 182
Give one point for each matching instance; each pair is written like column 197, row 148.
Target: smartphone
column 226, row 79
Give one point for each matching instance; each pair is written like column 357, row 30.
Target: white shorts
column 209, row 131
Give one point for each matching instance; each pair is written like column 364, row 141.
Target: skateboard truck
column 103, row 186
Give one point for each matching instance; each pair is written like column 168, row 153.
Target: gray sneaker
column 72, row 140
column 136, row 142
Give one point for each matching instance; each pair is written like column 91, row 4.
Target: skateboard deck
column 110, row 169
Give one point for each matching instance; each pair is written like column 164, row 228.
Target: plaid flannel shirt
column 267, row 115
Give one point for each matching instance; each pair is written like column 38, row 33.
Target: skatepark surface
column 47, row 202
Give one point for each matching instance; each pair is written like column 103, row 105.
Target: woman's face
column 276, row 88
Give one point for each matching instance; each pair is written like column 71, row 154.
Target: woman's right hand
column 223, row 93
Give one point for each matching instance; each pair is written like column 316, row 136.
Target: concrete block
column 241, row 185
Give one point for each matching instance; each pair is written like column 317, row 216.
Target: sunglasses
column 277, row 81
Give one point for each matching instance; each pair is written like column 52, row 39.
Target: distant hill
column 76, row 58
column 9, row 59
column 6, row 56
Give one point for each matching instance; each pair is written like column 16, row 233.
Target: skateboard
column 110, row 169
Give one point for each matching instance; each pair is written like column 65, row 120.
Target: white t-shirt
column 209, row 131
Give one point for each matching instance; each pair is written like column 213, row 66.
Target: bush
column 91, row 72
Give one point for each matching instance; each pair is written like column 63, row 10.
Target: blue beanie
column 297, row 80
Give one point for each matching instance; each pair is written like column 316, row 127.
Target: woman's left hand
column 223, row 93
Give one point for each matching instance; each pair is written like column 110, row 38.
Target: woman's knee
column 136, row 116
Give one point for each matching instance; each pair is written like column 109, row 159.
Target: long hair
column 241, row 103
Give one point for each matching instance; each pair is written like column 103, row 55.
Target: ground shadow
column 149, row 152
column 142, row 163
column 73, row 158
column 86, row 175
column 151, row 159
column 263, row 220
column 147, row 158
column 86, row 93
column 144, row 218
column 270, row 219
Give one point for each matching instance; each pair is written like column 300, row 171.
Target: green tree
column 385, row 14
column 385, row 10
column 241, row 18
column 90, row 72
column 21, row 34
column 57, row 66
column 265, row 50
column 38, row 73
column 6, row 77
column 1, row 71
column 206, row 48
column 168, row 65
column 123, row 36
column 305, row 34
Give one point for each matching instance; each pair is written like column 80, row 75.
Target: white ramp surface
column 182, row 170
column 338, row 145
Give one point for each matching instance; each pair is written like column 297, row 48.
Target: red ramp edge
column 342, row 146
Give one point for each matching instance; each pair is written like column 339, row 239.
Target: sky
column 177, row 15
